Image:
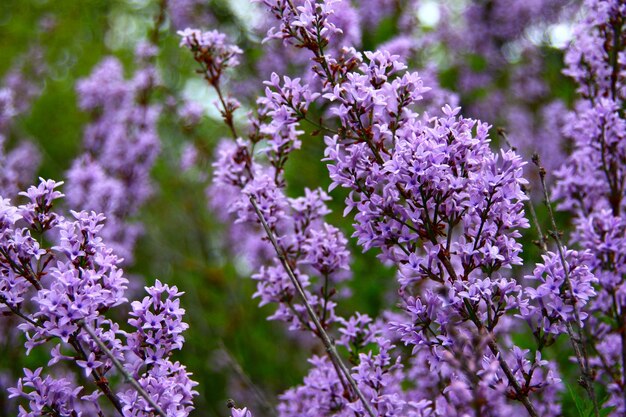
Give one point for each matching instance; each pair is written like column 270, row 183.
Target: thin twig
column 328, row 343
column 578, row 342
column 261, row 398
column 227, row 114
column 531, row 207
column 128, row 377
column 158, row 22
column 533, row 216
column 17, row 312
column 98, row 378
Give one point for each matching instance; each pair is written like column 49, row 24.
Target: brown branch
column 128, row 377
column 328, row 343
column 578, row 342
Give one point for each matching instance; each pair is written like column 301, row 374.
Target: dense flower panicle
column 590, row 184
column 58, row 289
column 285, row 103
column 48, row 395
column 298, row 222
column 120, row 146
column 604, row 235
column 167, row 382
column 595, row 60
column 271, row 200
column 303, row 20
column 159, row 327
column 428, row 192
column 583, row 183
column 19, row 88
column 158, row 321
column 326, row 250
column 443, row 208
column 379, row 376
column 231, row 173
column 561, row 294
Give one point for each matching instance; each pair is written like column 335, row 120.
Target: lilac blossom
column 590, row 184
column 210, row 49
column 120, row 146
column 552, row 304
column 443, row 169
column 240, row 412
column 413, row 179
column 18, row 90
column 48, row 395
column 59, row 289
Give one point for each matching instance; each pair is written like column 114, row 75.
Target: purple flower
column 59, row 289
column 211, row 50
column 121, row 144
column 90, row 364
column 240, row 412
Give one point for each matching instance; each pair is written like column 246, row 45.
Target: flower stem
column 128, row 377
column 328, row 343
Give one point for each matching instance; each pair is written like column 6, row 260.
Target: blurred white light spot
column 536, row 35
column 249, row 15
column 197, row 90
column 560, row 35
column 428, row 13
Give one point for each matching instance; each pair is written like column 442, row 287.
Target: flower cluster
column 563, row 290
column 48, row 395
column 503, row 74
column 18, row 90
column 211, row 50
column 62, row 290
column 304, row 238
column 431, row 195
column 422, row 185
column 112, row 176
column 590, row 184
column 159, row 326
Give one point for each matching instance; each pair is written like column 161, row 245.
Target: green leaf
column 606, row 411
column 581, row 403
